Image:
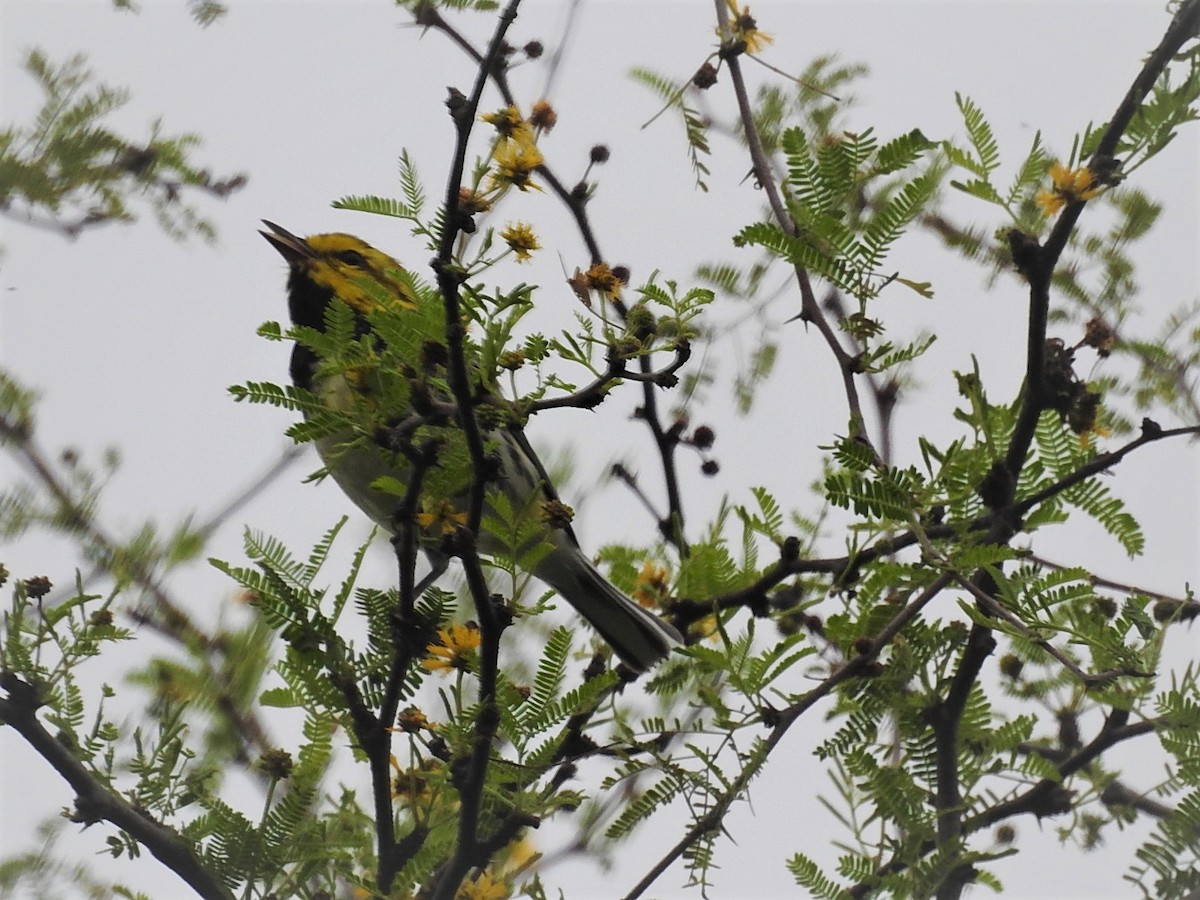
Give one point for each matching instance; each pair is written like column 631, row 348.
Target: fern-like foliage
column 823, row 186
column 73, row 168
column 982, row 159
column 694, row 124
column 1060, row 454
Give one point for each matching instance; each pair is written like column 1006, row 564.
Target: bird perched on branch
column 371, row 350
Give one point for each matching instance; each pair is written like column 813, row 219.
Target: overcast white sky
column 133, row 339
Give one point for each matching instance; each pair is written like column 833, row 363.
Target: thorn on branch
column 732, row 49
column 789, row 550
column 22, row 696
column 1026, row 253
column 1105, row 169
column 456, row 102
column 873, row 669
column 770, row 715
column 1050, row 799
column 438, row 748
column 88, row 811
column 996, row 489
column 759, row 606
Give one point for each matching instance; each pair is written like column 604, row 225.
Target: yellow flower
column 359, row 378
column 600, row 277
column 412, row 721
column 744, row 28
column 507, row 121
column 520, row 856
column 1100, row 431
column 471, row 201
column 650, row 586
column 521, row 240
column 706, row 628
column 1069, row 186
column 445, row 518
column 415, row 785
column 453, row 649
column 483, row 888
column 515, row 160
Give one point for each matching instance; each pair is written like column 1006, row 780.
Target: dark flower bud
column 1011, row 666
column 276, row 763
column 37, row 587
column 705, row 77
column 703, row 437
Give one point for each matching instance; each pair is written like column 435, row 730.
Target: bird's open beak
column 292, row 248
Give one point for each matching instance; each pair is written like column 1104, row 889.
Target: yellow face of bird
column 338, row 265
column 351, row 268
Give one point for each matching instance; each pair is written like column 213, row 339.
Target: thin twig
column 94, row 802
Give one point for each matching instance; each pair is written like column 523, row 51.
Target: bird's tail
column 640, row 638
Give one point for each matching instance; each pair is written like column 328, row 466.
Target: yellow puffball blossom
column 706, row 629
column 507, row 121
column 415, row 785
column 1100, row 431
column 471, row 201
column 443, row 519
column 412, row 720
column 521, row 240
column 485, row 887
column 1068, row 186
column 520, row 856
column 651, row 584
column 515, row 159
column 600, row 277
column 515, row 154
column 744, row 27
column 453, row 648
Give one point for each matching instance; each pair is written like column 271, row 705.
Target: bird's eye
column 353, row 258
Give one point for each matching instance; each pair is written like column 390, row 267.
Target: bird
column 381, row 386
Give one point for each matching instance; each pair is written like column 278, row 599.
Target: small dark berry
column 703, row 437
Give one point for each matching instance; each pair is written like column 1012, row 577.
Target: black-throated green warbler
column 376, row 362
